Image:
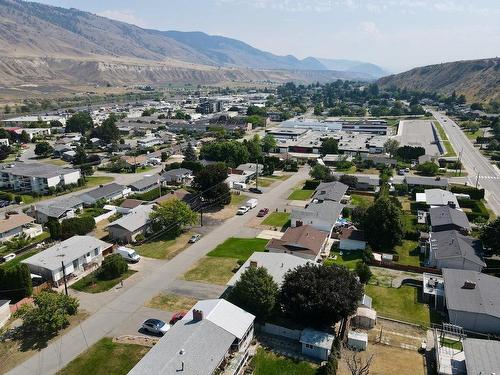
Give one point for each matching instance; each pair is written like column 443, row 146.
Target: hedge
column 77, row 226
column 311, row 184
column 469, row 190
column 478, row 208
column 16, row 282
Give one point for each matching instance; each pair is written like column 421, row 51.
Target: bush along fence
column 405, row 267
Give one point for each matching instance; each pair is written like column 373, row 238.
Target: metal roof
column 317, row 338
column 439, row 197
column 482, row 356
column 104, row 191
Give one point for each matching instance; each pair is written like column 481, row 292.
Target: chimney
column 197, row 315
column 469, row 285
column 253, row 264
column 452, row 204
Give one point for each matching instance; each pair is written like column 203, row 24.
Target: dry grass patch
column 171, row 302
column 212, row 270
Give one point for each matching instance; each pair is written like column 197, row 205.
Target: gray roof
column 203, row 343
column 145, row 182
column 57, row 207
column 135, row 219
column 327, row 210
column 276, row 264
column 67, row 251
column 482, row 356
column 452, row 244
column 426, row 181
column 250, row 167
column 4, row 301
column 370, row 180
column 446, row 215
column 35, row 170
column 330, row 191
column 317, row 338
column 104, row 191
column 175, row 173
column 483, row 299
column 439, row 197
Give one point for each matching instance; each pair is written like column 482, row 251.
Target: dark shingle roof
column 451, row 244
column 426, row 181
column 446, row 215
column 104, row 191
column 330, row 191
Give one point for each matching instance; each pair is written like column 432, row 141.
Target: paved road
column 125, row 305
column 474, row 162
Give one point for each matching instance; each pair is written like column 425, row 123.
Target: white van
column 128, row 254
column 251, row 203
column 239, row 186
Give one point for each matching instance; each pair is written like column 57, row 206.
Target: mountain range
column 40, row 43
column 478, row 80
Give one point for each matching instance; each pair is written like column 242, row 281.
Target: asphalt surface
column 128, row 306
column 418, row 133
column 474, row 162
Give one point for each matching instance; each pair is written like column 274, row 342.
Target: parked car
column 155, row 326
column 128, row 254
column 263, row 212
column 7, row 257
column 255, row 190
column 242, row 210
column 251, row 203
column 177, row 316
column 194, row 238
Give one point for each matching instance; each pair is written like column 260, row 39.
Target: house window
column 88, row 255
column 309, row 346
column 96, row 252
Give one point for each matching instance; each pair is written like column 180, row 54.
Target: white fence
column 106, row 215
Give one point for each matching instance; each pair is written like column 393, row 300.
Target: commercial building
column 36, row 177
column 28, row 120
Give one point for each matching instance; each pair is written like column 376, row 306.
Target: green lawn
column 97, row 180
column 268, row 363
column 171, row 302
column 164, row 247
column 18, row 259
column 362, row 200
column 277, row 219
column 91, row 284
column 212, row 270
column 409, row 253
column 347, row 259
column 265, row 182
column 400, row 303
column 106, row 357
column 239, row 248
column 449, row 343
column 301, row 194
column 444, row 137
column 238, row 199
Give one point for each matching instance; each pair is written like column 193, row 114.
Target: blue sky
column 396, row 34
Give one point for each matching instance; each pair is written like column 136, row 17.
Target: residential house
column 57, row 209
column 4, row 311
column 32, row 132
column 59, row 150
column 444, row 218
column 427, row 158
column 450, row 249
column 303, row 241
column 367, row 182
column 4, row 141
column 105, row 193
column 319, row 215
column 481, row 356
column 316, row 344
column 250, row 170
column 68, row 155
column 438, row 197
column 150, row 141
column 276, row 264
column 177, row 176
column 127, row 228
column 181, row 194
column 135, row 161
column 213, row 336
column 147, row 183
column 128, row 205
column 380, row 159
column 36, row 177
column 330, row 191
column 13, row 225
column 435, row 182
column 473, row 300
column 433, row 290
column 351, row 239
column 76, row 254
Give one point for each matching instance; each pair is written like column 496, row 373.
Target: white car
column 155, row 326
column 242, row 210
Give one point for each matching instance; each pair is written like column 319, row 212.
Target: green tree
column 108, row 131
column 6, row 109
column 24, row 137
column 112, row 266
column 428, row 168
column 211, row 182
column 490, row 235
column 189, row 153
column 15, row 281
column 4, row 151
column 268, row 143
column 256, row 111
column 43, row 149
column 54, row 227
column 80, row 122
column 320, row 172
column 255, row 292
column 173, row 214
column 254, row 148
column 329, row 146
column 231, row 152
column 77, row 226
column 383, row 224
column 318, row 295
column 363, row 271
column 80, row 156
column 391, row 146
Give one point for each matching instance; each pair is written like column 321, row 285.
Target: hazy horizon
column 394, row 34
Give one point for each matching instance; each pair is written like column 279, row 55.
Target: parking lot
column 418, row 133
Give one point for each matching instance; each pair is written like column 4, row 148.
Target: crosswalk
column 489, row 177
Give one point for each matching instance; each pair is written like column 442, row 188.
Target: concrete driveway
column 125, row 308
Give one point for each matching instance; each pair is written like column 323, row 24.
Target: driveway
column 120, row 308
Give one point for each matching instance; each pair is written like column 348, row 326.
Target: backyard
column 347, row 259
column 408, row 252
column 106, row 357
column 92, row 284
column 362, row 200
column 165, row 246
column 268, row 363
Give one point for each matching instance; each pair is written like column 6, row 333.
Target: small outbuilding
column 4, row 311
column 357, row 340
column 316, row 344
column 365, row 318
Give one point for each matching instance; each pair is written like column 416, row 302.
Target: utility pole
column 201, row 211
column 64, row 278
column 477, row 178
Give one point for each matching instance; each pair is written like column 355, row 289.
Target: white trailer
column 252, row 203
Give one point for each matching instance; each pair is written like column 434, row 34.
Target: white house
column 12, row 225
column 76, row 254
column 149, row 142
column 319, row 215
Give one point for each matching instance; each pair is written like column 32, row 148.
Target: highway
column 473, row 161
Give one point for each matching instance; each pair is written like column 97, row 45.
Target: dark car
column 255, row 190
column 177, row 316
column 263, row 212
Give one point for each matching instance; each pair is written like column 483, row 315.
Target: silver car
column 155, row 326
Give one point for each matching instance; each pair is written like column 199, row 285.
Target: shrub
column 469, row 190
column 311, row 184
column 113, row 266
column 16, row 281
column 77, row 226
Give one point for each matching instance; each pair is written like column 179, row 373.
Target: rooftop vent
column 469, row 285
column 253, row 264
